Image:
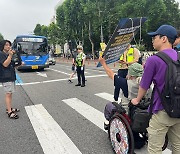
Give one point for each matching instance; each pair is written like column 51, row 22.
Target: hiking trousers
column 159, row 125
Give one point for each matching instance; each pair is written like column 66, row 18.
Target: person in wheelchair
column 129, row 86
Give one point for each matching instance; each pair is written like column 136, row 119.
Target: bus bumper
column 32, row 67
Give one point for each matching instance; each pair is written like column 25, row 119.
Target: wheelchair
column 120, row 131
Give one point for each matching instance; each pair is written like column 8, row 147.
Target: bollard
column 114, row 64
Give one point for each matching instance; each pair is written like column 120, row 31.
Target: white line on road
column 59, row 71
column 71, row 70
column 96, row 70
column 57, row 80
column 51, row 137
column 106, row 96
column 90, row 113
column 42, row 74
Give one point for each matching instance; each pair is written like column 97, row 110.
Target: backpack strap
column 151, row 102
column 165, row 57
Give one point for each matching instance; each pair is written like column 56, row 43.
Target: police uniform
column 80, row 69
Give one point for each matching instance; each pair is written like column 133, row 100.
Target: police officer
column 80, row 64
column 130, row 56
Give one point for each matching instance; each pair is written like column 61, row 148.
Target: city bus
column 33, row 50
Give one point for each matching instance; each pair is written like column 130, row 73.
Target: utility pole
column 102, row 39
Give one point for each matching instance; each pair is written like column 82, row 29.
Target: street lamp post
column 102, row 39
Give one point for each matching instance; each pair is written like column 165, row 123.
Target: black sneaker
column 78, row 84
column 69, row 81
column 83, row 85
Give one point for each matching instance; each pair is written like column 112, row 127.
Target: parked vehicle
column 52, row 61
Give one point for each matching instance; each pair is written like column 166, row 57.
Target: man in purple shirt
column 154, row 72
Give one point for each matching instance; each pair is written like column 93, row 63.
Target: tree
column 53, row 34
column 82, row 20
column 44, row 30
column 1, row 37
column 37, row 30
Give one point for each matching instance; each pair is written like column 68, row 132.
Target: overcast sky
column 21, row 16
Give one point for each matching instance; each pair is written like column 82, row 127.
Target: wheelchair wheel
column 121, row 135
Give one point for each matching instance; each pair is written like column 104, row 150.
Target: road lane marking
column 90, row 113
column 59, row 71
column 57, row 80
column 42, row 74
column 106, row 96
column 71, row 70
column 64, row 72
column 96, row 69
column 50, row 135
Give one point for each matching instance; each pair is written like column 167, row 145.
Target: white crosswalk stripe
column 47, row 130
column 106, row 96
column 90, row 113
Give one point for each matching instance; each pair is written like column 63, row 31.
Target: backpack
column 139, row 115
column 170, row 96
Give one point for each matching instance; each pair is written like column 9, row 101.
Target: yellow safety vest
column 129, row 56
column 79, row 59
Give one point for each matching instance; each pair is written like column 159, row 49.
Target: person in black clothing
column 8, row 76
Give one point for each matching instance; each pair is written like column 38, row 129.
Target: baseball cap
column 165, row 30
column 135, row 69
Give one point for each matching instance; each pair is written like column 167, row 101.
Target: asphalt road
column 57, row 117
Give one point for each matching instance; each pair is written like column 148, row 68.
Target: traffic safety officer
column 80, row 65
column 130, row 56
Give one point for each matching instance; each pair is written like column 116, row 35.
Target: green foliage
column 37, row 30
column 81, row 20
column 1, row 37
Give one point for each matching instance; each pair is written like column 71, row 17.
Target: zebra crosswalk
column 93, row 115
column 55, row 140
column 50, row 135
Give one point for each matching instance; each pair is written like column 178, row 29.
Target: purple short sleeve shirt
column 154, row 71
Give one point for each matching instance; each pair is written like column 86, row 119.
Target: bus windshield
column 31, row 47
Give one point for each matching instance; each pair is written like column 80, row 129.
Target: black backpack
column 170, row 96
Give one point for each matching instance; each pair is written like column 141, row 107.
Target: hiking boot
column 78, row 84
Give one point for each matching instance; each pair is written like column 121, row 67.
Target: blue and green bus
column 33, row 50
